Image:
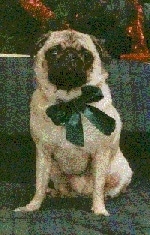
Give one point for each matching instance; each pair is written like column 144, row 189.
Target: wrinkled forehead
column 69, row 38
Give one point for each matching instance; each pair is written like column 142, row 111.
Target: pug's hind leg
column 43, row 166
column 120, row 175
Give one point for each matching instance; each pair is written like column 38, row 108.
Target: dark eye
column 53, row 52
column 87, row 56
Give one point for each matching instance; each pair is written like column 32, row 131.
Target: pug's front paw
column 32, row 206
column 100, row 211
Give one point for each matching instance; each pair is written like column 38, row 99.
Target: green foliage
column 61, row 11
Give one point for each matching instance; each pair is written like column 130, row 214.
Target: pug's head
column 66, row 61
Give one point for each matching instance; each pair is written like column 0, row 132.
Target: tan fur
column 51, row 139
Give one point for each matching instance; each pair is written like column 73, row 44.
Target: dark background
column 19, row 31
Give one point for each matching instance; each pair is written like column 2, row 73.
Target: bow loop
column 61, row 113
column 91, row 94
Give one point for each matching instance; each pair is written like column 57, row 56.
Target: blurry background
column 104, row 19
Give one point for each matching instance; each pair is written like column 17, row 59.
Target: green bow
column 68, row 114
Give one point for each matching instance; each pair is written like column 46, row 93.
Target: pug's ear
column 103, row 53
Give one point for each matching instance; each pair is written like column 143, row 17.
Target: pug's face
column 68, row 67
column 66, row 61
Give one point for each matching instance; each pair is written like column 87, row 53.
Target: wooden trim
column 13, row 55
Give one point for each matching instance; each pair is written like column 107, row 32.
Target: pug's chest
column 43, row 127
column 47, row 131
column 74, row 159
column 71, row 159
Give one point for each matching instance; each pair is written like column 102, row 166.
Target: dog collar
column 68, row 114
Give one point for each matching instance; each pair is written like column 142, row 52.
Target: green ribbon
column 68, row 114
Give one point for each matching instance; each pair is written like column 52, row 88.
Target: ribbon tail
column 74, row 130
column 100, row 120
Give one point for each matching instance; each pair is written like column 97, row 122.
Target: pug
column 74, row 123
